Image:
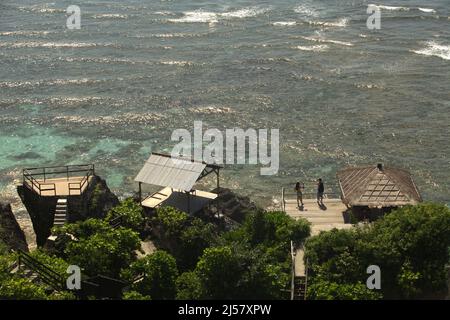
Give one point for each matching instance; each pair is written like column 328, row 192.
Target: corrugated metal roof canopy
column 165, row 171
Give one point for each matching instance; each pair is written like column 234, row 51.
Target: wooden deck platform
column 59, row 187
column 324, row 218
column 179, row 199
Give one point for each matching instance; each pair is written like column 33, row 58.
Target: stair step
column 62, row 200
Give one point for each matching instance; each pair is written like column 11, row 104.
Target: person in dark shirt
column 320, row 191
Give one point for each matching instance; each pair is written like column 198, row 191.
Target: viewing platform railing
column 332, row 191
column 40, row 179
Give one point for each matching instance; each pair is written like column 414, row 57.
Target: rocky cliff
column 95, row 202
column 10, row 232
column 229, row 204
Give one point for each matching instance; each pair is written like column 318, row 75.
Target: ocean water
column 115, row 90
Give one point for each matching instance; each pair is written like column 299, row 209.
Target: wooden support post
column 293, row 271
column 189, row 202
column 140, row 192
column 218, row 179
column 218, row 193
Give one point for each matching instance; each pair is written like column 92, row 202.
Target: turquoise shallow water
column 340, row 94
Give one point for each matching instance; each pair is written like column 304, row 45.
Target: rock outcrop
column 229, row 204
column 95, row 202
column 10, row 232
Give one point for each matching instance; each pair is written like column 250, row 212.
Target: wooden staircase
column 300, row 288
column 60, row 212
column 34, row 270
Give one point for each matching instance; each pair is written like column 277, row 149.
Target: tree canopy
column 410, row 245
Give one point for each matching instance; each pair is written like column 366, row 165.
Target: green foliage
column 58, row 265
column 16, row 288
column 170, row 220
column 219, row 272
column 183, row 237
column 189, row 286
column 131, row 212
column 83, row 229
column 239, row 273
column 410, row 245
column 159, row 271
column 274, row 227
column 194, row 240
column 100, row 249
column 134, row 295
column 62, row 295
column 325, row 290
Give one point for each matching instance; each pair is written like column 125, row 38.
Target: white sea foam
column 284, row 23
column 392, row 8
column 57, row 82
column 177, row 63
column 245, row 13
column 341, row 23
column 321, row 40
column 165, row 13
column 200, row 16
column 389, row 8
column 110, row 16
column 316, row 48
column 303, row 9
column 427, row 10
column 123, row 118
column 35, row 44
column 42, row 9
column 46, row 45
column 435, row 49
column 24, row 33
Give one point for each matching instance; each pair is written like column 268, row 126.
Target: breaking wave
column 398, row 8
column 435, row 49
column 200, row 16
column 303, row 9
column 321, row 40
column 110, row 16
column 316, row 48
column 284, row 23
column 35, row 44
column 341, row 23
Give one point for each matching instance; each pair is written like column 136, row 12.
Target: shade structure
column 377, row 186
column 165, row 171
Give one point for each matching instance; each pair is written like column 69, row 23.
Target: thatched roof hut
column 377, row 187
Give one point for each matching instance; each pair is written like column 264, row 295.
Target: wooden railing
column 332, row 191
column 35, row 178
